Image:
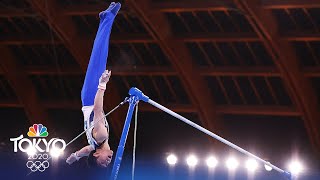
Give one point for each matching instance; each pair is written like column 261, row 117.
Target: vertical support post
column 133, row 100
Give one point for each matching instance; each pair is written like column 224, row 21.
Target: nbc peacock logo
column 38, row 130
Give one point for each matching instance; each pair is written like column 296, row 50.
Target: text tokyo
column 41, row 144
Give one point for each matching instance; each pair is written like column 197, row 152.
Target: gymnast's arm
column 100, row 132
column 85, row 151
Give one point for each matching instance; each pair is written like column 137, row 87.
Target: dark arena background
column 247, row 70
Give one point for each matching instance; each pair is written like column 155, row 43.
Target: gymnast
column 96, row 79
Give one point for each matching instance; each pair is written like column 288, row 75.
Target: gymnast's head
column 101, row 156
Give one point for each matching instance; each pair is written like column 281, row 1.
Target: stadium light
column 232, row 163
column 251, row 165
column 192, row 160
column 172, row 159
column 211, row 162
column 268, row 168
column 295, row 167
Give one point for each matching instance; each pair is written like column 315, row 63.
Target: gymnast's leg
column 99, row 54
column 98, row 61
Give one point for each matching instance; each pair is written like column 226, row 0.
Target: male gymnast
column 96, row 79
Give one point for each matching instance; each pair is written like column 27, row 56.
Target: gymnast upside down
column 96, row 79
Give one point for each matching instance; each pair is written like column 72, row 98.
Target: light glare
column 172, row 159
column 55, row 152
column 295, row 167
column 251, row 165
column 211, row 162
column 232, row 163
column 192, row 161
column 31, row 151
column 268, row 168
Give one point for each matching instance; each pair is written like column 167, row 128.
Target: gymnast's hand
column 104, row 79
column 72, row 158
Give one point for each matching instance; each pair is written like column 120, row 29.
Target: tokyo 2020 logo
column 37, row 147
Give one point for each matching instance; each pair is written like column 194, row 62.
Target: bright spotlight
column 192, row 161
column 251, row 165
column 211, row 162
column 232, row 163
column 295, row 167
column 31, row 151
column 268, row 168
column 55, row 152
column 172, row 159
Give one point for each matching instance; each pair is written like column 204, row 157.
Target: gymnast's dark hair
column 92, row 161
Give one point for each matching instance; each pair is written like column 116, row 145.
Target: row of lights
column 54, row 152
column 232, row 163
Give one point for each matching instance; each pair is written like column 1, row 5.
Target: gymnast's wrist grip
column 76, row 156
column 102, row 87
